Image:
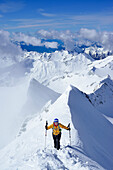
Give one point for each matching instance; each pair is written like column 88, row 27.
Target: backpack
column 58, row 127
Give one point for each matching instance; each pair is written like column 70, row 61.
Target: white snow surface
column 59, row 69
column 27, row 150
column 18, row 102
column 11, row 101
column 37, row 96
column 102, row 98
column 72, row 87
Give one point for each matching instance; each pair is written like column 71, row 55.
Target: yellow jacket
column 56, row 129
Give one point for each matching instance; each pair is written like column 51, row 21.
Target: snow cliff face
column 91, row 127
column 102, row 98
column 37, row 96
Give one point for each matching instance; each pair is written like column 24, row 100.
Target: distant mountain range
column 95, row 50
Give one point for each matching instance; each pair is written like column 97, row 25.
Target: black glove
column 68, row 127
column 46, row 127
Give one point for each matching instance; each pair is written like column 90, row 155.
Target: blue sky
column 33, row 15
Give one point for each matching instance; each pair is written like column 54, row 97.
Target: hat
column 56, row 120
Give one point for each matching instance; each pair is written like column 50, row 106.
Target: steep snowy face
column 19, row 102
column 59, row 69
column 92, row 137
column 37, row 96
column 102, row 98
column 104, row 67
column 58, row 64
column 95, row 132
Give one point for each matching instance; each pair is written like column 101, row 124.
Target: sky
column 33, row 15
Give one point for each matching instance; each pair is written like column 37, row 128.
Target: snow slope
column 18, row 102
column 59, row 69
column 48, row 68
column 92, row 137
column 11, row 101
column 15, row 73
column 102, row 98
column 94, row 130
column 37, row 96
column 92, row 133
column 104, row 67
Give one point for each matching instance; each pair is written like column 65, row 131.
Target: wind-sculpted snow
column 92, row 134
column 19, row 102
column 37, row 96
column 95, row 132
column 91, row 141
column 104, row 67
column 102, row 98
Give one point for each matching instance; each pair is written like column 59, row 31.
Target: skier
column 56, row 126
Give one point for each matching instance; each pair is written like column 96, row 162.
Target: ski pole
column 69, row 134
column 46, row 132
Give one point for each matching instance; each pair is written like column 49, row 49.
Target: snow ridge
column 83, row 104
column 91, row 127
column 92, row 136
column 102, row 98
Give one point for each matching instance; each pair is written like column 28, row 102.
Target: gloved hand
column 69, row 129
column 46, row 127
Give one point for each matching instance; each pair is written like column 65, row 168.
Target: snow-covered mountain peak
column 97, row 52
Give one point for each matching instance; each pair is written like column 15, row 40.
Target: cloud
column 7, row 48
column 30, row 26
column 27, row 39
column 33, row 40
column 42, row 12
column 51, row 44
column 67, row 37
column 83, row 36
column 63, row 35
column 105, row 38
column 90, row 34
column 92, row 19
column 54, row 21
column 70, row 39
column 48, row 14
column 11, row 6
column 31, row 21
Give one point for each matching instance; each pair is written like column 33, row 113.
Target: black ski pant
column 57, row 141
